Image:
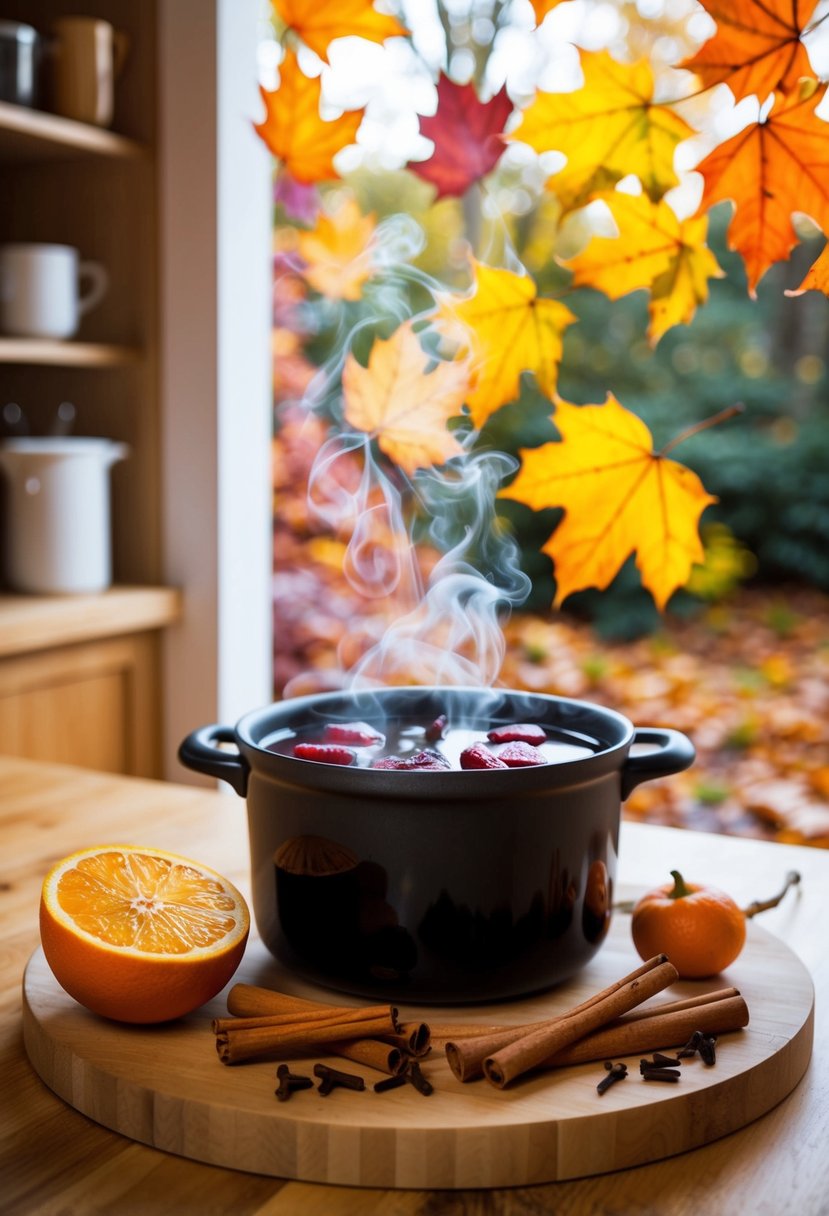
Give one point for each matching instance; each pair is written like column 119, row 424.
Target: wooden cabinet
column 91, row 694
column 80, row 678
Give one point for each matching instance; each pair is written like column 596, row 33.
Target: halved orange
column 140, row 935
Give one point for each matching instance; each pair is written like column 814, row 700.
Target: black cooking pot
column 444, row 886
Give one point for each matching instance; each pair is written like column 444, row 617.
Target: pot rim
column 607, row 731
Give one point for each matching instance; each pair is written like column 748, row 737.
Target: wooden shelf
column 34, row 622
column 34, row 135
column 53, row 353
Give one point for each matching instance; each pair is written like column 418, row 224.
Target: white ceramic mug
column 40, row 290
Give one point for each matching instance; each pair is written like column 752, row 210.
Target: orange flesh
column 147, row 903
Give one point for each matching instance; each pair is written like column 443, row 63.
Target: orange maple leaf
column 769, row 170
column 619, row 497
column 508, row 329
column 654, row 250
column 542, row 7
column 817, row 276
column 294, row 130
column 319, row 22
column 339, row 253
column 757, row 48
column 403, row 402
column 609, row 128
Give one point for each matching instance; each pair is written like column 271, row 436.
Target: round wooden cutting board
column 165, row 1086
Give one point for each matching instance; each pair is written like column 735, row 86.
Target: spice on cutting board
column 618, row 1021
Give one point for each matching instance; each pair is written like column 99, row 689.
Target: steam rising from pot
column 448, row 622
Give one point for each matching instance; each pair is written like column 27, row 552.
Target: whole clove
column 660, row 1074
column 288, row 1082
column 691, row 1047
column 398, row 1079
column 332, row 1078
column 415, row 1077
column 615, row 1072
column 707, row 1049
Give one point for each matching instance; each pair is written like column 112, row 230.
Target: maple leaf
column 465, row 133
column 542, row 7
column 655, row 250
column 509, row 329
column 319, row 22
column 769, row 170
column 757, row 48
column 607, row 129
column 817, row 276
column 294, row 130
column 339, row 252
column 402, row 403
column 619, row 497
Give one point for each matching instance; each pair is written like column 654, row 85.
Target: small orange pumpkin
column 701, row 929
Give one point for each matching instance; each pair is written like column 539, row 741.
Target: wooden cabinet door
column 94, row 704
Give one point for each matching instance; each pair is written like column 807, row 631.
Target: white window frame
column 215, row 375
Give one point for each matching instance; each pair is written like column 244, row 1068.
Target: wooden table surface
column 56, row 1162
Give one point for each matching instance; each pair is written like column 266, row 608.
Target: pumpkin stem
column 680, row 889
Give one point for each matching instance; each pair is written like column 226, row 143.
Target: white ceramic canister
column 57, row 513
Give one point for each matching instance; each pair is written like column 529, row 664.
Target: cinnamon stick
column 688, row 1002
column 251, row 1001
column 235, row 1046
column 300, row 1018
column 632, row 1036
column 505, row 1064
column 376, row 1053
column 466, row 1056
column 442, row 1032
column 414, row 1038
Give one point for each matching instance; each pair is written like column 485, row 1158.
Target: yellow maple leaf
column 607, row 129
column 655, row 250
column 294, row 130
column 619, row 497
column 339, row 252
column 508, row 329
column 319, row 22
column 403, row 403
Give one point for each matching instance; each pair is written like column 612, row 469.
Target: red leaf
column 465, row 132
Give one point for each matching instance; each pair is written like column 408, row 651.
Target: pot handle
column 674, row 753
column 197, row 752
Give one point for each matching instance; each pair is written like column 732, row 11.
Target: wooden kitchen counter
column 54, row 1160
